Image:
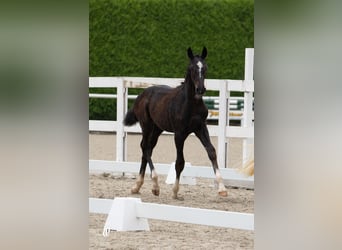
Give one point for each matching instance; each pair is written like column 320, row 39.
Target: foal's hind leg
column 148, row 142
column 135, row 189
column 203, row 135
column 154, row 135
column 143, row 144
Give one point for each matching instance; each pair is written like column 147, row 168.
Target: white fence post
column 120, row 112
column 247, row 120
column 222, row 123
column 125, row 111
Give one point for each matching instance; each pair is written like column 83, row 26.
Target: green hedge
column 150, row 37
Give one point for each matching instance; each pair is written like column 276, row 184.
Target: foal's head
column 197, row 70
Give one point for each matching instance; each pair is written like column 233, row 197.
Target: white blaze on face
column 200, row 66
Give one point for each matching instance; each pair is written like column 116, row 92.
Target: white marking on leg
column 154, row 173
column 140, row 181
column 175, row 189
column 155, row 188
column 218, row 175
column 221, row 188
column 138, row 184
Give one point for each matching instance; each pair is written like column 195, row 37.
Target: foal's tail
column 130, row 118
column 248, row 168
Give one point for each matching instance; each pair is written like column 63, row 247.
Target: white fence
column 222, row 130
column 230, row 176
column 235, row 112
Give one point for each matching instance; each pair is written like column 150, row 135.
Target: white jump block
column 123, row 216
column 171, row 177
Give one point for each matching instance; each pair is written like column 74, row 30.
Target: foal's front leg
column 179, row 141
column 203, row 135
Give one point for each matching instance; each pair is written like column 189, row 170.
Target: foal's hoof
column 155, row 192
column 223, row 193
column 135, row 191
column 176, row 197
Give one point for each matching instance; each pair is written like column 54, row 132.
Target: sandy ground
column 163, row 234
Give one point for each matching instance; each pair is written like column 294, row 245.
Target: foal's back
column 168, row 108
column 158, row 105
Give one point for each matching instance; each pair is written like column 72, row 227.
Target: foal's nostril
column 200, row 91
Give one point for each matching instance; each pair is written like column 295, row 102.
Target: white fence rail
column 230, row 176
column 236, row 112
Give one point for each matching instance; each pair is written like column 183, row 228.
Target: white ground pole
column 248, row 105
column 130, row 214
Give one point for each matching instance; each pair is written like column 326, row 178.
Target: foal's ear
column 204, row 53
column 190, row 54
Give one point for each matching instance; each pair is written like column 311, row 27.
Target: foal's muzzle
column 200, row 91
